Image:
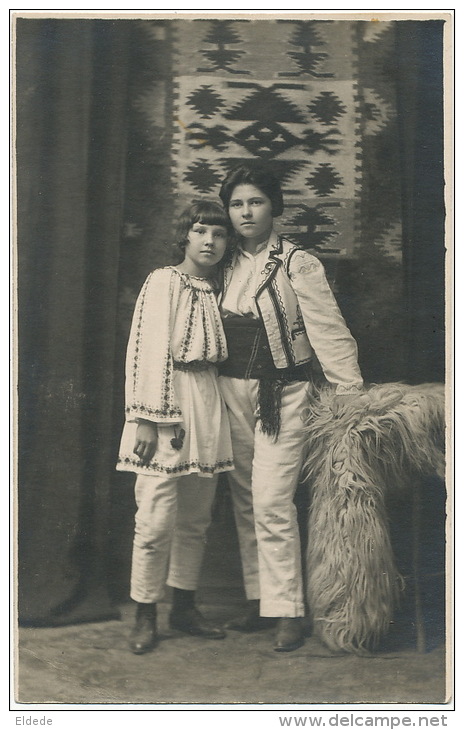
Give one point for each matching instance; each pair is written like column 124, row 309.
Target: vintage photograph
column 232, row 266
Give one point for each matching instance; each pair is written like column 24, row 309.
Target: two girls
column 279, row 315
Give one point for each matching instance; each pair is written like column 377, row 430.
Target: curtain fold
column 419, row 79
column 71, row 90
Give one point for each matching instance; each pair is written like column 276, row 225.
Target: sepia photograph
column 232, row 276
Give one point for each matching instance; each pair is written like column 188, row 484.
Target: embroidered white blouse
column 176, row 318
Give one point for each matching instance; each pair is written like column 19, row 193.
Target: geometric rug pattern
column 286, row 92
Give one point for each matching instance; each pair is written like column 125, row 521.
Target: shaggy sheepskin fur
column 360, row 449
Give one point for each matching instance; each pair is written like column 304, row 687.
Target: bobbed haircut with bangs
column 207, row 212
column 258, row 175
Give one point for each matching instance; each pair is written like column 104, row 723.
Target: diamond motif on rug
column 327, row 108
column 324, row 180
column 300, row 114
column 202, row 176
column 205, row 101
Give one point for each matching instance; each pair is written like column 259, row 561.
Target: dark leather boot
column 192, row 622
column 144, row 636
column 289, row 635
column 249, row 619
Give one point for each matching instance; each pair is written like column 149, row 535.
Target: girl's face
column 250, row 211
column 206, row 245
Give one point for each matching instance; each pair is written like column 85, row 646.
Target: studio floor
column 91, row 664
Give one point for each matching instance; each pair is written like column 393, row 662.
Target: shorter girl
column 176, row 435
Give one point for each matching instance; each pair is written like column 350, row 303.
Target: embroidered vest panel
column 280, row 312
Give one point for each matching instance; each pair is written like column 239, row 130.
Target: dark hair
column 207, row 212
column 256, row 174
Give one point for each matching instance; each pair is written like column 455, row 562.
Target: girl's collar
column 271, row 243
column 200, row 282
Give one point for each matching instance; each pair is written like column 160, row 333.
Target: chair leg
column 416, row 553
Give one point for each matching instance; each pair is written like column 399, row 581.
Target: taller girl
column 278, row 311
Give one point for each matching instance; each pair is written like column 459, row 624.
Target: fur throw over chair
column 359, row 452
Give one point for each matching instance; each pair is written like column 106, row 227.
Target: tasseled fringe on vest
column 357, row 454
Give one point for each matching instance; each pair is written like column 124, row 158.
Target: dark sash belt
column 249, row 356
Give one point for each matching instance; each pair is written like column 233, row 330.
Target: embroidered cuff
column 349, row 389
column 166, row 416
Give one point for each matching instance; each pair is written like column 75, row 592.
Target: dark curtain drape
column 420, row 106
column 420, row 88
column 71, row 91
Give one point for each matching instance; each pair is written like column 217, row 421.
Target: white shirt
column 239, row 297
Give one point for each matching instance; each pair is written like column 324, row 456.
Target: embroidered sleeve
column 327, row 331
column 149, row 364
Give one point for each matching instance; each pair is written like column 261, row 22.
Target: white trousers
column 263, row 486
column 173, row 515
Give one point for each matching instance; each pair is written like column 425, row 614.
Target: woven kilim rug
column 317, row 100
column 286, row 92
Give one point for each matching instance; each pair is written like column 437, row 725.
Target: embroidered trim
column 284, row 334
column 167, row 380
column 188, row 280
column 284, row 316
column 270, row 275
column 135, row 372
column 179, row 468
column 298, row 325
column 347, row 389
column 139, row 408
column 309, row 263
column 206, row 337
column 189, row 324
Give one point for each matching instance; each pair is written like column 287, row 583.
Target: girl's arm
column 327, row 331
column 150, row 394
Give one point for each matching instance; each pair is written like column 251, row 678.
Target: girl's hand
column 146, row 440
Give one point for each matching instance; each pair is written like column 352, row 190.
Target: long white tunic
column 176, row 322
